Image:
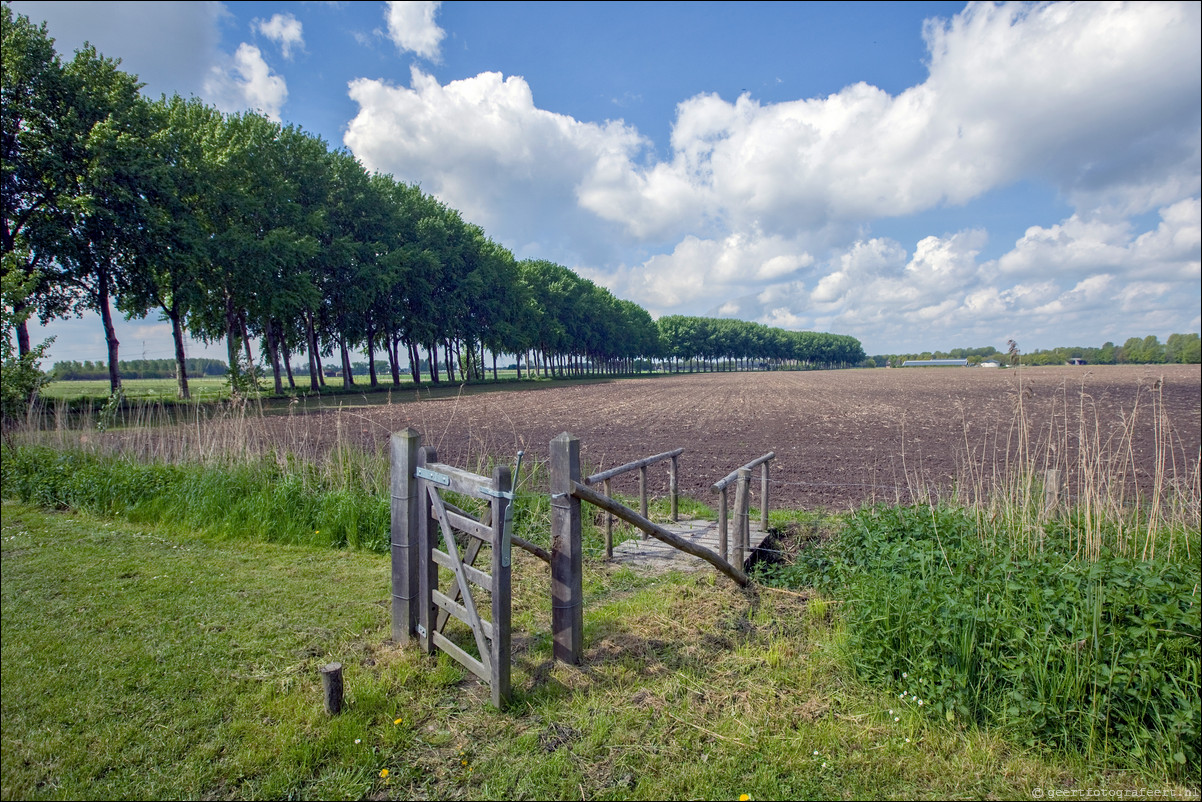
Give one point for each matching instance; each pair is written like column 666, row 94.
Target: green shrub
column 242, row 500
column 1100, row 657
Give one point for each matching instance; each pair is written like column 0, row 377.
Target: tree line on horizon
column 1177, row 349
column 235, row 227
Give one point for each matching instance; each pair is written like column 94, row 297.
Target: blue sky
column 917, row 175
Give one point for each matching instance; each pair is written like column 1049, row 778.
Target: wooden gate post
column 403, row 534
column 502, row 529
column 567, row 579
column 427, row 580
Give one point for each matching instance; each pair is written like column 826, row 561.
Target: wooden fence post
column 502, row 484
column 763, row 499
column 567, row 578
column 609, row 527
column 331, row 686
column 741, row 535
column 723, row 524
column 1051, row 490
column 427, row 580
column 674, row 489
column 403, row 534
column 643, row 494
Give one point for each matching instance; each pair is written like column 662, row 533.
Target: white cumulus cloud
column 482, row 146
column 285, row 30
column 246, row 82
column 764, row 210
column 412, row 28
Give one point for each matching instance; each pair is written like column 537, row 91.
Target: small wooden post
column 763, row 498
column 723, row 523
column 567, row 576
column 427, row 580
column 331, row 685
column 1051, row 490
column 609, row 527
column 643, row 494
column 502, row 515
column 741, row 516
column 674, row 489
column 403, row 535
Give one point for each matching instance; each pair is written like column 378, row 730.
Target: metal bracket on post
column 433, row 476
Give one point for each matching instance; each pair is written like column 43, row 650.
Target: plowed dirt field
column 841, row 438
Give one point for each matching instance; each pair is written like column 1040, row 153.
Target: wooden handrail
column 630, row 466
column 584, row 493
column 718, row 486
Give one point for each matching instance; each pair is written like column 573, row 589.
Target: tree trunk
column 432, row 362
column 287, row 352
column 110, row 333
column 23, row 346
column 250, row 360
column 348, row 378
column 273, row 354
column 315, row 378
column 181, row 363
column 371, row 357
column 394, row 354
column 231, row 339
column 415, row 364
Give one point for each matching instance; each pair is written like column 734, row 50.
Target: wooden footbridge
column 655, row 555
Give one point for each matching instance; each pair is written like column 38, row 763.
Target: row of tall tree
column 714, row 344
column 237, row 228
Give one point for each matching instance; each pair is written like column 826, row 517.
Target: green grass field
column 150, row 663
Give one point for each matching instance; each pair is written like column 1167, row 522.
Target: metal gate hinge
column 433, row 476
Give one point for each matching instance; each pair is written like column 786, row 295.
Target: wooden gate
column 428, row 520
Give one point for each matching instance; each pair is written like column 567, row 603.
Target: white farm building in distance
column 938, row 363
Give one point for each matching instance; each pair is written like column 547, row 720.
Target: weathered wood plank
column 402, row 539
column 471, row 553
column 584, row 493
column 567, row 576
column 478, row 577
column 630, row 466
column 448, row 536
column 454, row 609
column 466, row 660
column 464, row 523
column 427, row 568
column 741, row 514
column 499, row 641
column 733, row 475
column 461, row 481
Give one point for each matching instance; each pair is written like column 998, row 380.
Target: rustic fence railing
column 420, row 609
column 641, row 465
column 567, row 581
column 742, row 540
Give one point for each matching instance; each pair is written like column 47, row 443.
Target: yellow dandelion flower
column 384, row 773
column 398, row 721
column 744, row 798
column 464, row 762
